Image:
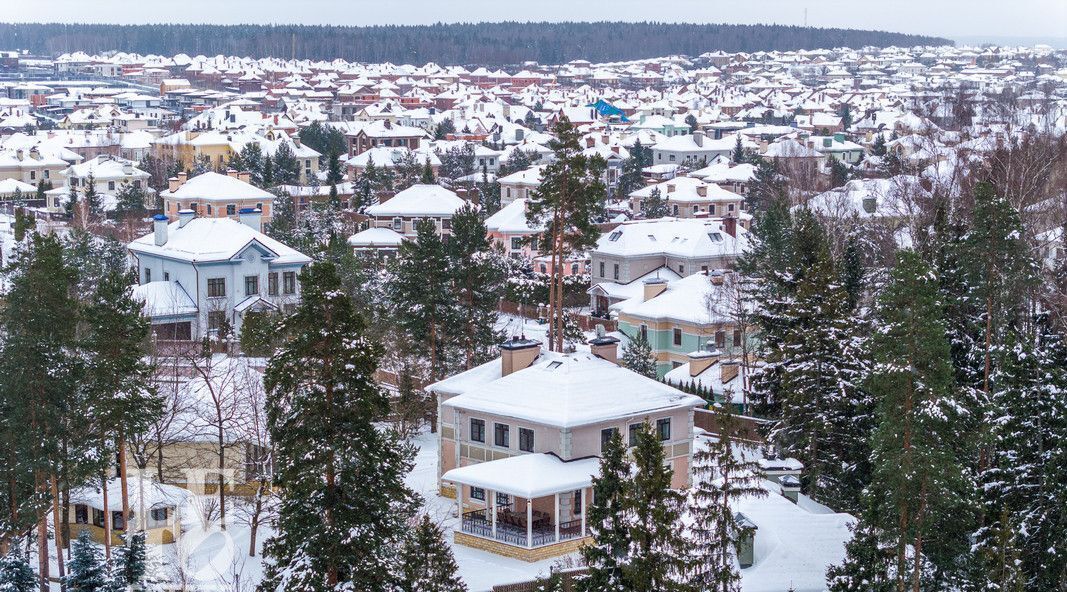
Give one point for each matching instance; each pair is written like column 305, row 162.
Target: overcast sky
column 949, row 18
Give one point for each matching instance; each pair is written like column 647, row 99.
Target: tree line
column 493, row 44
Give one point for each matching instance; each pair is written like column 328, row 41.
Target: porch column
column 459, row 504
column 584, row 504
column 555, row 517
column 529, row 523
column 492, row 508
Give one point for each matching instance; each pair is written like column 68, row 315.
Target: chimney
column 245, row 176
column 605, row 347
column 670, row 188
column 296, row 141
column 729, row 225
column 517, row 354
column 702, row 190
column 716, row 277
column 231, row 173
column 790, row 487
column 18, row 154
column 250, row 217
column 698, row 138
column 701, row 360
column 728, row 370
column 159, row 225
column 173, row 184
column 182, row 178
column 184, row 216
column 654, row 287
column 127, row 168
column 590, row 142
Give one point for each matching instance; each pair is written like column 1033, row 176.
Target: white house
column 199, row 275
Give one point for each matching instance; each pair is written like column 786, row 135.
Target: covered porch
column 529, row 507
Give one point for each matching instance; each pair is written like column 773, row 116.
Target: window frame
column 252, row 281
column 501, row 433
column 676, row 336
column 289, row 282
column 605, row 436
column 664, row 434
column 480, row 432
column 526, row 439
column 216, row 287
column 272, row 283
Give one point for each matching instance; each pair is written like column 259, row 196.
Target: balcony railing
column 514, row 531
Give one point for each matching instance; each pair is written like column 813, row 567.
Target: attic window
column 652, row 237
column 554, row 365
column 615, row 236
column 715, row 237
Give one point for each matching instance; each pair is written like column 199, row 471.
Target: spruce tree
column 87, row 571
column 344, row 505
column 428, row 564
column 16, row 575
column 866, row 564
column 286, row 167
column 420, row 294
column 570, row 198
column 92, row 198
column 637, row 356
column 739, row 151
column 720, row 479
column 657, row 558
column 251, row 161
column 132, row 566
column 607, row 553
column 427, row 177
column 654, row 206
column 920, row 495
column 130, row 201
column 478, row 279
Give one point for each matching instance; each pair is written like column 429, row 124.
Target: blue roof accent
column 247, row 211
column 159, row 217
column 606, row 109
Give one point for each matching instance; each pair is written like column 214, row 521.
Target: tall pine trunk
column 42, row 532
column 107, row 520
column 122, row 480
column 57, row 526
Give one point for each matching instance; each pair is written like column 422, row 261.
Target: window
column 615, row 271
column 231, row 210
column 577, row 502
column 478, row 493
column 110, row 185
column 166, row 276
column 663, row 428
column 216, row 287
column 289, row 282
column 574, row 269
column 544, row 268
column 602, row 269
column 446, row 223
column 47, row 174
column 272, row 284
column 215, row 319
column 137, row 183
column 33, row 175
column 501, row 435
column 81, row 514
column 210, row 210
column 715, row 237
column 477, row 430
column 533, row 243
column 503, row 499
column 677, row 337
column 516, row 243
column 711, row 209
column 635, row 428
column 147, row 275
column 251, row 285
column 737, row 338
column 98, row 517
column 615, row 236
column 644, row 332
column 674, row 209
column 720, row 339
column 526, row 440
column 681, row 269
column 193, row 207
column 398, row 224
column 605, row 437
column 159, row 514
column 729, row 207
column 704, row 268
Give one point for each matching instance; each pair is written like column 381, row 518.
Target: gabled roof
column 215, row 239
column 217, row 187
column 419, row 200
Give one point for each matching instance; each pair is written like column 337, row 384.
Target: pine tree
column 566, row 204
column 286, row 169
column 631, row 178
column 1025, row 487
column 919, row 494
column 132, row 566
column 720, row 479
column 344, row 505
column 654, row 206
column 427, row 177
column 866, row 564
column 283, row 223
column 16, row 575
column 92, row 198
column 421, row 297
column 606, row 555
column 130, row 201
column 637, row 356
column 443, row 129
column 656, row 560
column 739, row 151
column 87, row 571
column 879, row 148
column 251, row 161
column 428, row 564
column 268, row 177
column 691, row 121
column 478, row 279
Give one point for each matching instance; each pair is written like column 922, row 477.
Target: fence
column 535, row 311
column 749, row 429
column 569, row 577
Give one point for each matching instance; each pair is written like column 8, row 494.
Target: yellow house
column 154, row 507
column 214, row 195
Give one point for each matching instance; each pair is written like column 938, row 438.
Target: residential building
column 402, row 212
column 214, row 195
column 690, row 197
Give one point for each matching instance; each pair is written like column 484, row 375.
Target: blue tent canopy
column 606, row 109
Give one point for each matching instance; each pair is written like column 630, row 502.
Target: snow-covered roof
column 511, row 219
column 693, row 299
column 215, row 239
column 682, row 237
column 156, row 495
column 376, row 237
column 419, row 200
column 164, row 298
column 528, row 475
column 567, row 390
column 215, row 186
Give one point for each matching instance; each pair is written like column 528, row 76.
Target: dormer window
column 615, row 236
column 716, row 237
